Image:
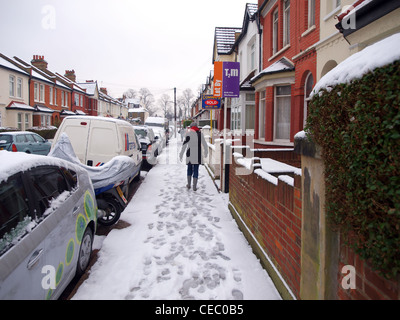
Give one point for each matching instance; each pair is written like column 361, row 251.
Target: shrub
column 358, row 127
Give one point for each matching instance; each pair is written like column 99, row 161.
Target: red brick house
column 290, row 29
column 48, row 95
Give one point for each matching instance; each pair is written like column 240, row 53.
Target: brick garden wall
column 369, row 285
column 272, row 212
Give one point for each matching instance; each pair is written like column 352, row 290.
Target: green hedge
column 358, row 127
column 46, row 133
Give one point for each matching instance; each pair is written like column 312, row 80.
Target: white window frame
column 261, row 116
column 19, row 87
column 286, row 23
column 275, row 31
column 76, row 98
column 51, row 95
column 62, row 99
column 311, row 13
column 250, row 105
column 235, row 113
column 276, row 101
column 11, row 81
column 19, row 121
column 26, row 120
column 307, row 97
column 41, row 93
column 55, row 96
column 251, row 55
column 36, row 91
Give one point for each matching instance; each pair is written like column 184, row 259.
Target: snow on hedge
column 356, row 66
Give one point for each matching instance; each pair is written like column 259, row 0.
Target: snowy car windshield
column 141, row 133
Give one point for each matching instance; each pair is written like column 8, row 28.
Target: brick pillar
column 319, row 245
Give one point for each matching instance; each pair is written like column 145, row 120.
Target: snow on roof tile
column 9, row 65
column 251, row 8
column 225, row 38
column 281, row 65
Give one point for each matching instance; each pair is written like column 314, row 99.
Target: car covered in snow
column 159, row 126
column 48, row 215
column 24, row 141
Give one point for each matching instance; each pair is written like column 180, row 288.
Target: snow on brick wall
column 272, row 212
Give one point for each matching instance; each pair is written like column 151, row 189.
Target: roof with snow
column 225, row 38
column 356, row 66
column 251, row 8
column 19, row 105
column 282, row 65
column 12, row 66
column 89, row 86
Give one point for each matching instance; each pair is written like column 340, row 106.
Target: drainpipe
column 260, row 41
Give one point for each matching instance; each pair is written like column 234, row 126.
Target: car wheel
column 112, row 210
column 85, row 251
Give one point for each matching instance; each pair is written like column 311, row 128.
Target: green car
column 24, row 141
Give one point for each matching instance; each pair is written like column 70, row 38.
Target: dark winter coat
column 193, row 142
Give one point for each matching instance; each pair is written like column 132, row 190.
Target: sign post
column 226, row 85
column 210, row 102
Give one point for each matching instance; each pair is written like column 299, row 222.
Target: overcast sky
column 122, row 44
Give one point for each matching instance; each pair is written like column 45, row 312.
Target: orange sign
column 218, row 75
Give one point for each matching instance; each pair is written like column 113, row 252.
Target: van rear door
column 77, row 131
column 103, row 143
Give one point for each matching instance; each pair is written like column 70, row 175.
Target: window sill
column 332, row 13
column 282, row 143
column 279, row 52
column 309, row 30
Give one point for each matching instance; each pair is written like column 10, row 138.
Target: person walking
column 194, row 156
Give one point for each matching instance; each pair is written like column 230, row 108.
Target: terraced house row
column 274, row 175
column 33, row 96
column 284, row 48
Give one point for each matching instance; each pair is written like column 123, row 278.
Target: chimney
column 70, row 74
column 39, row 62
column 104, row 90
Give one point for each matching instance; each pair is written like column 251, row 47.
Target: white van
column 96, row 140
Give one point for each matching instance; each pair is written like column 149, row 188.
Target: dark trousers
column 193, row 169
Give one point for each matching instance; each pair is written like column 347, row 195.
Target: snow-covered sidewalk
column 181, row 244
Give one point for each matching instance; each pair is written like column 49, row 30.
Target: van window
column 14, row 210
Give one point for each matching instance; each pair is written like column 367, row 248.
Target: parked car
column 24, row 141
column 149, row 144
column 160, row 135
column 96, row 140
column 47, row 224
column 160, row 127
